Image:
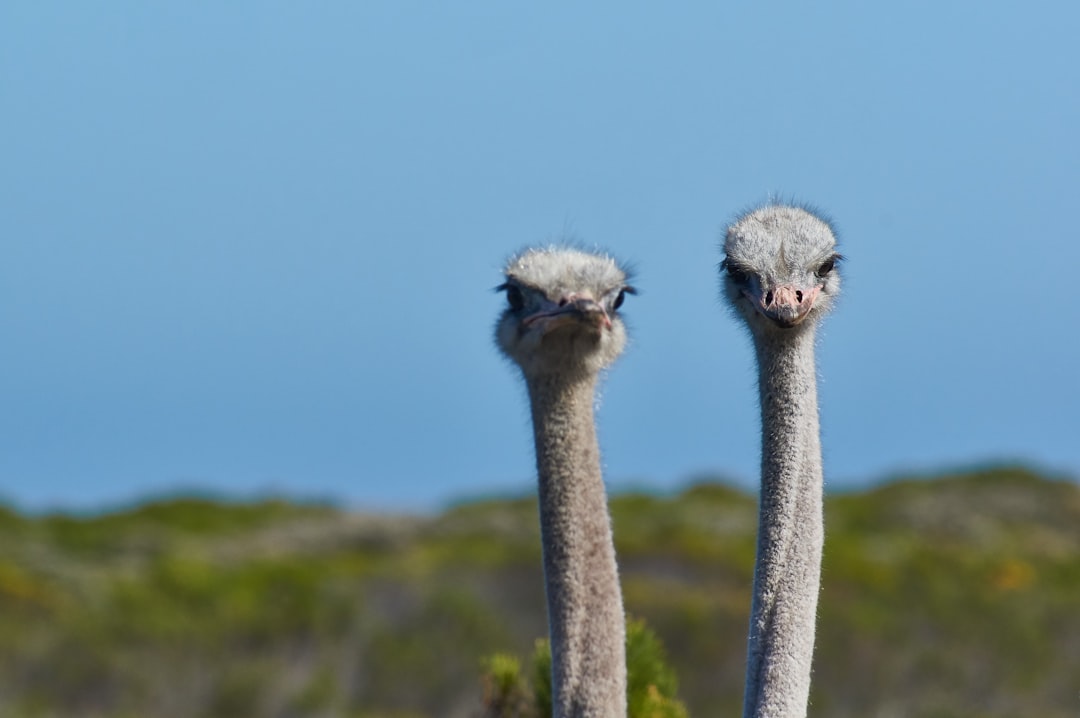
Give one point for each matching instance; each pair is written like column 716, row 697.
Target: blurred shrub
column 953, row 596
column 651, row 685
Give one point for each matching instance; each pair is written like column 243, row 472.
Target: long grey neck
column 790, row 531
column 585, row 610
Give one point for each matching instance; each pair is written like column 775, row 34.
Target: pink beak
column 572, row 308
column 786, row 305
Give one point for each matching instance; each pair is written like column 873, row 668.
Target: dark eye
column 737, row 275
column 514, row 298
column 826, row 267
column 619, row 299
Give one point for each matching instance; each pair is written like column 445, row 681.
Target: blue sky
column 249, row 247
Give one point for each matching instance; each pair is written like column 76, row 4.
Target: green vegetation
column 651, row 684
column 951, row 596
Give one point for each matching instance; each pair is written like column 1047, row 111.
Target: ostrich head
column 562, row 314
column 779, row 272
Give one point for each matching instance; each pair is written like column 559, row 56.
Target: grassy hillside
column 956, row 596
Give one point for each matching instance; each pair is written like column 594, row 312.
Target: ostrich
column 779, row 276
column 562, row 328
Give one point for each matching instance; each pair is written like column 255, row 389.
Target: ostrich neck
column 790, row 532
column 585, row 611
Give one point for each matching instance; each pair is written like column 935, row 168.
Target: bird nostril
column 563, row 302
column 798, row 296
column 768, row 298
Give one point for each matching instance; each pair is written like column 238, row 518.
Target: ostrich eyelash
column 734, row 271
column 621, row 295
column 514, row 297
column 828, row 265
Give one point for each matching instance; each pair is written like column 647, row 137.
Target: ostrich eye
column 619, row 299
column 514, row 298
column 737, row 275
column 826, row 267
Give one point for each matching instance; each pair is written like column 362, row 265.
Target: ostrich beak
column 572, row 310
column 785, row 305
